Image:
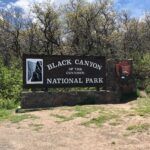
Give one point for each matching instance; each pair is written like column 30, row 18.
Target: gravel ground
column 51, row 132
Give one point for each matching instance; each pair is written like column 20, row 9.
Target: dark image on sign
column 34, row 71
column 63, row 71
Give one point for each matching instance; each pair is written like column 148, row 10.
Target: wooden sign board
column 63, row 71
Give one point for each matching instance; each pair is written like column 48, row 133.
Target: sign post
column 44, row 71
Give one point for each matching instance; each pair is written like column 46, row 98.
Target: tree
column 48, row 23
column 32, row 38
column 131, row 41
column 11, row 26
column 90, row 26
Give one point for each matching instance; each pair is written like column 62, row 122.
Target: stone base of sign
column 40, row 99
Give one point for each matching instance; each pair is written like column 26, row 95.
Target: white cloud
column 25, row 5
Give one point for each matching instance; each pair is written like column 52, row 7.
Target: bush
column 142, row 72
column 10, row 86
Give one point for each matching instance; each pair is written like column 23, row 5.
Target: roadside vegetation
column 18, row 36
column 143, row 107
column 99, row 115
column 132, row 118
column 86, row 29
column 139, row 128
column 9, row 115
column 10, row 86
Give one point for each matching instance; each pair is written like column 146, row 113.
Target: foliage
column 14, row 118
column 36, row 127
column 80, row 28
column 142, row 71
column 48, row 25
column 139, row 128
column 82, row 111
column 10, row 86
column 18, row 118
column 143, row 107
column 4, row 114
column 101, row 119
column 63, row 118
column 147, row 89
column 86, row 23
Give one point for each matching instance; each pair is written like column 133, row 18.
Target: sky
column 136, row 8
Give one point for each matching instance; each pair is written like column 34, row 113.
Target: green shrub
column 143, row 108
column 142, row 71
column 10, row 86
column 147, row 89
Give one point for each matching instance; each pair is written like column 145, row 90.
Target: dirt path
column 68, row 128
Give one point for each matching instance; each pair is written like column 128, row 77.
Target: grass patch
column 19, row 118
column 115, row 123
column 143, row 107
column 131, row 114
column 104, row 115
column 97, row 121
column 7, row 115
column 62, row 117
column 82, row 111
column 101, row 119
column 36, row 127
column 139, row 128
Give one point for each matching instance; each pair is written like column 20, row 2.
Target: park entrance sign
column 41, row 72
column 63, row 71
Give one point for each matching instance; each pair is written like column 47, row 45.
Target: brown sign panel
column 63, row 71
